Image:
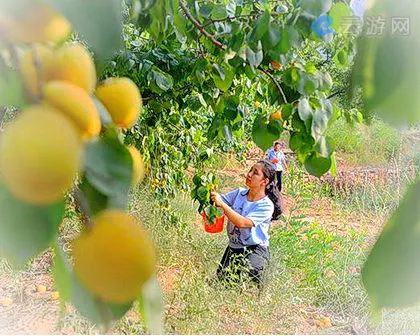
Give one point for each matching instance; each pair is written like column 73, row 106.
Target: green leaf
column 179, row 21
column 206, row 9
column 317, row 165
column 301, row 143
column 339, row 13
column 319, row 124
column 265, row 134
column 291, row 76
column 325, row 147
column 164, row 81
column 289, row 38
column 12, row 92
column 272, row 36
column 219, row 12
column 287, row 111
column 158, row 26
column 236, row 41
column 325, row 81
column 231, row 107
column 310, row 68
column 106, row 119
column 341, row 59
column 89, row 306
column 396, row 80
column 316, row 7
column 227, row 133
column 104, row 36
column 391, row 273
column 222, row 76
column 108, row 167
column 26, row 229
column 145, row 5
column 307, row 84
column 203, row 194
column 151, row 306
column 62, row 274
column 333, row 168
column 260, row 27
column 305, row 112
column 96, row 200
column 254, row 58
column 159, row 80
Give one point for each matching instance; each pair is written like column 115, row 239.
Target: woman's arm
column 235, row 218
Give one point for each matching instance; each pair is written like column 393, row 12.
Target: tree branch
column 200, row 27
column 218, row 44
column 275, row 82
column 38, row 72
column 230, row 18
column 337, row 93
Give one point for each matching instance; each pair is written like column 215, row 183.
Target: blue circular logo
column 322, row 25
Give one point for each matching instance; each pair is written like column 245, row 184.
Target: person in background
column 277, row 157
column 249, row 212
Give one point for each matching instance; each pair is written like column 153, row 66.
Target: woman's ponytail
column 272, row 190
column 274, row 195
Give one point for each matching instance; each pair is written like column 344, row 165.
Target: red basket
column 215, row 227
column 275, row 161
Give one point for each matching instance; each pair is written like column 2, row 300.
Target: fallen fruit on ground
column 115, row 258
column 41, row 289
column 6, row 301
column 55, row 296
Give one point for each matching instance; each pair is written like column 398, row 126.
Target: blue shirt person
column 249, row 212
column 259, row 212
column 276, row 156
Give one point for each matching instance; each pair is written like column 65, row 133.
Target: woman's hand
column 216, row 198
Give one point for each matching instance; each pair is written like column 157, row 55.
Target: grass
column 365, row 145
column 195, row 301
column 378, row 199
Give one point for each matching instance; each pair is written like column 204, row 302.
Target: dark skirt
column 239, row 264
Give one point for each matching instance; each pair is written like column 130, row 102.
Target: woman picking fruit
column 249, row 212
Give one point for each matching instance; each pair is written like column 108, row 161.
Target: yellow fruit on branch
column 34, row 76
column 40, row 155
column 138, row 165
column 76, row 104
column 122, row 99
column 257, row 104
column 115, row 258
column 276, row 116
column 73, row 63
column 36, row 23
